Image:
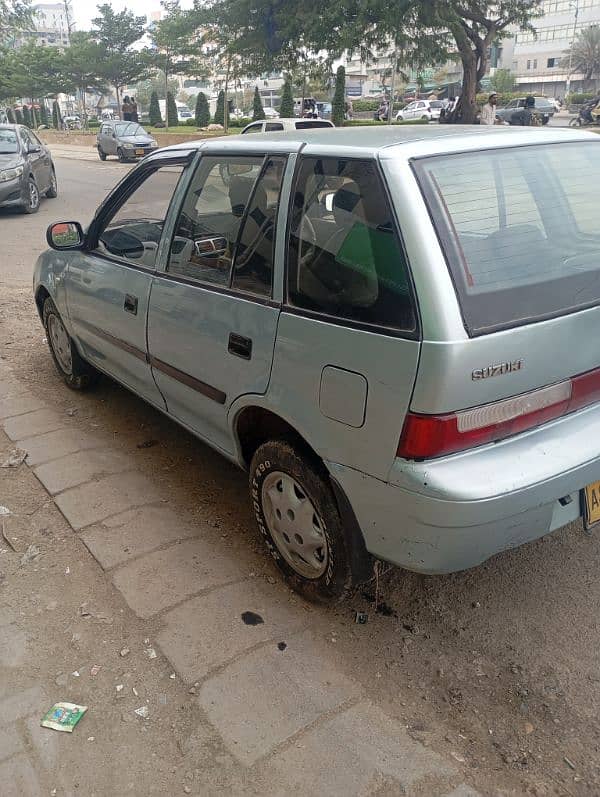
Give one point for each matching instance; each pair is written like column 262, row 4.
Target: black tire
column 545, row 120
column 278, row 458
column 52, row 192
column 80, row 375
column 31, row 204
column 121, row 156
column 575, row 122
column 101, row 154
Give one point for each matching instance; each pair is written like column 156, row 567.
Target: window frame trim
column 381, row 329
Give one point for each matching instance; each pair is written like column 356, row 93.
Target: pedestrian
column 488, row 112
column 525, row 116
column 126, row 109
column 134, row 111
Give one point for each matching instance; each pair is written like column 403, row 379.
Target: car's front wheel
column 52, row 191
column 101, row 153
column 31, row 202
column 76, row 372
column 299, row 519
column 121, row 155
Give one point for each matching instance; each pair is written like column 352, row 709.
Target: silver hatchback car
column 127, row 140
column 394, row 331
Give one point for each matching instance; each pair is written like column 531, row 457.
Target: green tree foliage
column 338, row 106
column 585, row 53
column 56, row 116
column 503, row 81
column 157, row 84
column 155, row 114
column 33, row 71
column 287, row 100
column 15, row 17
column 116, row 32
column 202, row 112
column 27, row 117
column 258, row 112
column 81, row 66
column 219, row 118
column 172, row 118
column 19, row 119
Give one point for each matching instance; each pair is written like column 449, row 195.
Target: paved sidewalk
column 282, row 715
column 74, row 151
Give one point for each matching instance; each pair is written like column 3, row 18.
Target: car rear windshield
column 520, row 230
column 311, row 123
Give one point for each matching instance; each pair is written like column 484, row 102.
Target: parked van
column 395, row 331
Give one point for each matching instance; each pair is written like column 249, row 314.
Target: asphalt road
column 497, row 667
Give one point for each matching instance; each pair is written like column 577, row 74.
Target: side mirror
column 33, row 148
column 65, row 235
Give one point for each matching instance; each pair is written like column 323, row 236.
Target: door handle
column 240, row 346
column 131, row 304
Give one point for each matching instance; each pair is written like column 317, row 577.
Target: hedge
column 579, row 98
column 374, row 122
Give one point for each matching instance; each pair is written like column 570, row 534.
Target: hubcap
column 34, row 196
column 295, row 525
column 61, row 345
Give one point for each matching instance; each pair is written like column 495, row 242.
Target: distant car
column 271, row 113
column 127, row 140
column 183, row 114
column 543, row 107
column 26, row 169
column 421, row 109
column 279, row 125
column 72, row 122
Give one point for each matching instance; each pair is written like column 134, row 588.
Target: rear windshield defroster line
column 519, row 230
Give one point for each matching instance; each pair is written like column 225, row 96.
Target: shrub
column 56, row 116
column 154, row 113
column 190, row 123
column 241, row 122
column 338, row 109
column 93, row 124
column 286, row 109
column 258, row 112
column 27, row 117
column 19, row 116
column 10, row 114
column 172, row 117
column 375, row 123
column 365, row 105
column 44, row 119
column 219, row 118
column 579, row 98
column 202, row 114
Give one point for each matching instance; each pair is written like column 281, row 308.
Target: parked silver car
column 127, row 140
column 26, row 169
column 281, row 125
column 394, row 330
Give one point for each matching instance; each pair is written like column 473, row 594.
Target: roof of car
column 409, row 140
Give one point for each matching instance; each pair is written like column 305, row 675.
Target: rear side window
column 519, row 228
column 345, row 259
column 308, row 124
column 273, row 127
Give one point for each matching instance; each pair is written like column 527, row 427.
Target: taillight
column 427, row 436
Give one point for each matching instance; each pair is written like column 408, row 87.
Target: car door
column 212, row 318
column 35, row 158
column 255, row 127
column 45, row 159
column 411, row 110
column 108, row 284
column 109, row 144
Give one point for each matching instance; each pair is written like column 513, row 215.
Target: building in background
column 373, row 78
column 537, row 61
column 52, row 24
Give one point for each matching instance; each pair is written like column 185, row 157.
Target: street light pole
column 392, row 86
column 568, row 85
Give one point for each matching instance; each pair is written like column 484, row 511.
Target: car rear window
column 311, row 123
column 519, row 229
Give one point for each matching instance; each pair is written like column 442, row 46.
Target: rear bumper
column 452, row 514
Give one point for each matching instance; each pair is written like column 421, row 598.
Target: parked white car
column 271, row 113
column 279, row 125
column 421, row 109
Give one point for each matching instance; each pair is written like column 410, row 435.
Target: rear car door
column 108, row 286
column 348, row 336
column 212, row 319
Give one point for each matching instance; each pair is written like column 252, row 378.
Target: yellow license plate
column 139, row 152
column 592, row 504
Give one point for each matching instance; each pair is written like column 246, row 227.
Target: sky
column 85, row 10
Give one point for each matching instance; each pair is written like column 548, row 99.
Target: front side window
column 257, row 128
column 211, row 218
column 519, row 228
column 134, row 231
column 8, row 142
column 345, row 259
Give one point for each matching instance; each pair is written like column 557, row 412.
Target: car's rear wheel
column 76, row 372
column 299, row 519
column 101, row 154
column 399, row 118
column 52, row 192
column 31, row 202
column 425, row 117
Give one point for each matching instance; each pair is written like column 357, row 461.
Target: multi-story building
column 52, row 24
column 538, row 60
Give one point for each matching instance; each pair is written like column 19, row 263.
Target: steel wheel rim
column 61, row 343
column 295, row 525
column 53, row 182
column 34, row 196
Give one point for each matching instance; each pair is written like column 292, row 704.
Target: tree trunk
column 118, row 94
column 226, row 101
column 303, row 91
column 466, row 109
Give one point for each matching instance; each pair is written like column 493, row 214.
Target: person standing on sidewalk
column 488, row 112
column 126, row 109
column 134, row 111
